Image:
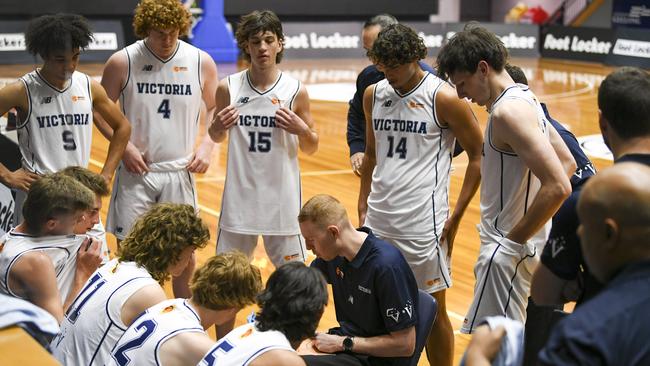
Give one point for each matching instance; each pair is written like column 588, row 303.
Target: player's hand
column 224, row 120
column 328, row 343
column 133, row 160
column 21, row 179
column 89, row 257
column 484, row 346
column 289, row 121
column 355, row 161
column 449, row 233
column 201, row 159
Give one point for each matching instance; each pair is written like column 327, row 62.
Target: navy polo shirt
column 374, row 294
column 356, row 121
column 613, row 328
column 562, row 254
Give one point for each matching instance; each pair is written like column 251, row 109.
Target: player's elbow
column 559, row 189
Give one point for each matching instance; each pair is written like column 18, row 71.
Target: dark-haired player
column 413, row 119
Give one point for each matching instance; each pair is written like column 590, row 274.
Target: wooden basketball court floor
column 568, row 88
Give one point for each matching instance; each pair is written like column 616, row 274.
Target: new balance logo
column 147, row 68
column 46, row 100
column 388, row 103
column 243, row 100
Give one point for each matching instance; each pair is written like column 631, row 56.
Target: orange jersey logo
column 180, row 68
column 78, row 97
column 168, row 309
column 277, row 101
column 413, row 104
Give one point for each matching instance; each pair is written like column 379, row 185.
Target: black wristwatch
column 348, row 342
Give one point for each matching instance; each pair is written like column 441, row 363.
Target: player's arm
column 537, row 153
column 548, row 289
column 278, row 357
column 14, row 95
column 225, row 115
column 35, row 274
column 121, row 128
column 299, row 122
column 484, row 346
column 201, row 160
column 356, row 134
column 140, row 301
column 562, row 151
column 369, row 158
column 400, row 343
column 186, row 348
column 457, row 114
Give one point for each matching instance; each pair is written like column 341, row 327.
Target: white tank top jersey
column 409, row 197
column 162, row 99
column 141, row 342
column 93, row 323
column 508, row 187
column 7, row 207
column 262, row 189
column 243, row 345
column 57, row 132
column 62, row 250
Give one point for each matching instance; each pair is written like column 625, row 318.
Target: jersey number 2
column 119, row 356
column 164, row 109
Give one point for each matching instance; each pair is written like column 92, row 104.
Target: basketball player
column 173, row 331
column 290, row 309
column 162, row 84
column 413, row 119
column 41, row 261
column 356, row 135
column 525, row 175
column 266, row 113
column 160, row 244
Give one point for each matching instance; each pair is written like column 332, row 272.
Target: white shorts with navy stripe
column 429, row 261
column 281, row 249
column 134, row 194
column 503, row 273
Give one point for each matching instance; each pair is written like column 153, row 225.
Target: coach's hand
column 289, row 121
column 328, row 343
column 89, row 257
column 133, row 160
column 20, row 179
column 355, row 161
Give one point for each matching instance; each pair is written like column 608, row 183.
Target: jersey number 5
column 164, row 109
column 68, row 141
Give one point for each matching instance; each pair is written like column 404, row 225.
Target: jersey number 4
column 400, row 149
column 164, row 109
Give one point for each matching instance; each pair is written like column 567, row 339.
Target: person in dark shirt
column 375, row 292
column 370, row 75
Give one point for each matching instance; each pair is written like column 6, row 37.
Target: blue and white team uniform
column 93, row 323
column 162, row 99
column 62, row 250
column 140, row 344
column 57, row 131
column 261, row 195
column 243, row 345
column 7, row 208
column 409, row 199
column 504, row 268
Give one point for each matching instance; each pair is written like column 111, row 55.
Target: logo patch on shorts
column 291, row 257
column 433, row 282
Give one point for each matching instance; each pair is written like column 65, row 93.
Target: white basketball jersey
column 93, row 323
column 62, row 250
column 7, row 207
column 141, row 342
column 243, row 345
column 262, row 188
column 409, row 197
column 162, row 100
column 57, row 132
column 508, row 187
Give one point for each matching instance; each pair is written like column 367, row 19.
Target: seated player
column 290, row 309
column 173, row 332
column 41, row 260
column 160, row 244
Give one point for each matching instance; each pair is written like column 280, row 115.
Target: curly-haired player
column 412, row 121
column 166, row 88
column 290, row 308
column 173, row 331
column 160, row 244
